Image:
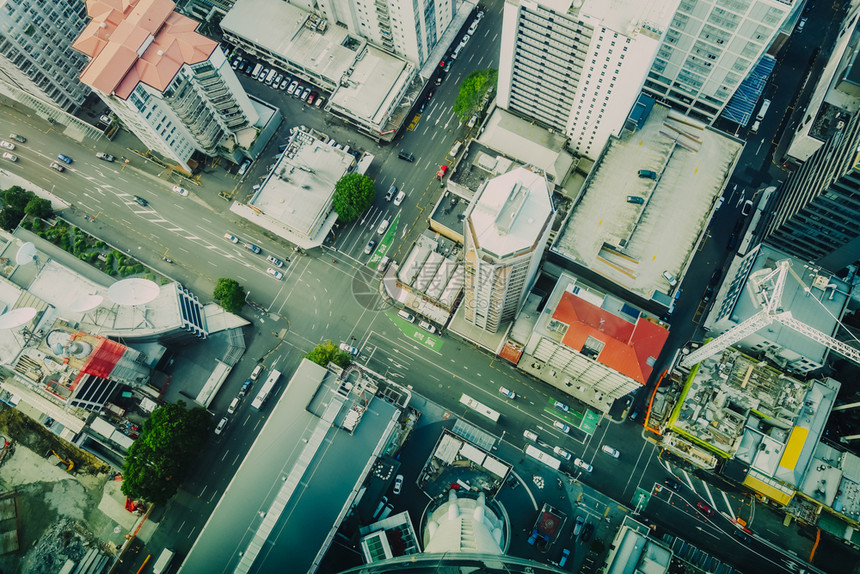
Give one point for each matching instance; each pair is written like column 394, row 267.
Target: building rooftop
column 509, row 215
column 632, row 244
column 625, row 16
column 271, row 514
column 298, row 191
column 132, row 41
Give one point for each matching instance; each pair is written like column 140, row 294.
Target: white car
column 231, row 238
column 561, row 426
column 610, row 451
column 427, row 326
column 398, row 484
column 274, row 261
column 561, row 452
column 348, row 349
column 292, row 87
column 221, row 424
column 180, row 190
column 508, row 393
column 10, row 156
column 583, row 465
column 382, row 227
column 7, row 145
column 401, row 195
column 561, row 406
column 670, row 278
column 275, row 273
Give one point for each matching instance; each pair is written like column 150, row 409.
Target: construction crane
column 770, row 298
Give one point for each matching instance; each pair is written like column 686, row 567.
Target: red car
column 705, row 509
column 442, row 171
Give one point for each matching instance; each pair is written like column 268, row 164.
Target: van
column 383, row 264
column 233, row 406
column 406, row 155
column 763, row 110
column 271, row 76
column 257, row 69
column 255, row 374
column 406, row 316
column 755, row 126
column 164, row 560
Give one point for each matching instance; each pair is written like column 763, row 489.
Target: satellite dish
column 86, row 303
column 26, row 254
column 17, row 317
column 130, row 292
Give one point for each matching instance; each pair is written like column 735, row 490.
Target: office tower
column 816, row 216
column 35, row 58
column 505, row 231
column 578, row 66
column 172, row 87
column 710, row 48
column 409, row 29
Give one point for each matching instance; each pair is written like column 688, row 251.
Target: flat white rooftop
column 633, row 243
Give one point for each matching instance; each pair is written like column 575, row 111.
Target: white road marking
column 728, row 504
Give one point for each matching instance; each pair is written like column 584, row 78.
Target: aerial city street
column 520, row 286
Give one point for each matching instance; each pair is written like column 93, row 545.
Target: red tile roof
column 116, row 40
column 627, row 346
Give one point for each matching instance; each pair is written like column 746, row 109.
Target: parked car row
column 255, row 249
column 277, row 79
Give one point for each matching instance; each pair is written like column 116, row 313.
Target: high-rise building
column 505, row 231
column 816, row 216
column 409, row 29
column 578, row 66
column 172, row 87
column 35, row 58
column 709, row 49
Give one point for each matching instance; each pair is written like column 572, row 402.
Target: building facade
column 711, row 46
column 35, row 54
column 505, row 231
column 578, row 67
column 172, row 87
column 816, row 216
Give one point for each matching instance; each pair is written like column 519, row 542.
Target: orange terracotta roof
column 116, row 41
column 627, row 346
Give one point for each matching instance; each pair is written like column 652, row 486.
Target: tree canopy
column 165, row 451
column 18, row 202
column 353, row 193
column 328, row 352
column 472, row 91
column 229, row 294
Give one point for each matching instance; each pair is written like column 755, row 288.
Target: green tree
column 326, row 353
column 230, row 295
column 474, row 87
column 15, row 200
column 38, row 207
column 353, row 193
column 163, row 454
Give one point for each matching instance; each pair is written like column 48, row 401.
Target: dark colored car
column 64, row 158
column 705, row 508
column 587, row 532
column 743, row 536
column 673, row 484
column 715, row 278
column 406, row 155
column 141, row 201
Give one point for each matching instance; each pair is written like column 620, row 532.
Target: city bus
column 266, row 389
column 480, row 408
column 548, row 460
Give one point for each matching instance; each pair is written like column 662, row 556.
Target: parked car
column 312, row 97
column 565, row 556
column 348, row 349
column 583, row 465
column 285, row 83
column 747, row 207
column 306, row 94
column 587, row 532
column 221, row 424
column 398, row 484
column 141, row 201
column 105, row 119
column 705, row 508
column 635, row 199
column 561, row 406
column 10, row 156
column 801, row 24
column 427, row 326
column 442, row 171
column 292, row 88
column 647, row 174
column 104, row 156
column 7, row 145
column 244, row 167
column 255, row 374
column 17, row 138
column 561, row 452
column 274, row 261
column 251, row 247
column 610, row 451
column 369, row 247
column 670, row 278
column 275, row 273
column 715, row 277
column 57, row 166
column 245, row 387
column 507, row 392
column 561, row 426
column 64, row 158
column 577, row 526
column 673, row 484
column 231, row 238
column 180, row 190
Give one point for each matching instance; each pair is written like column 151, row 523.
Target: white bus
column 266, row 389
column 480, row 408
column 548, row 460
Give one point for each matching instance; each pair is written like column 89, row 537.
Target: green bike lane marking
column 384, row 243
column 416, row 333
column 585, row 421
